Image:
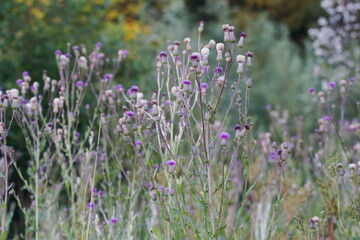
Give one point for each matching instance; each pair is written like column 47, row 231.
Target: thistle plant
column 162, row 167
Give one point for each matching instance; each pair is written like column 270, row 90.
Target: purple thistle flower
column 120, row 87
column 93, row 190
column 75, row 48
column 218, row 70
column 155, row 166
column 195, row 57
column 186, row 82
column 108, row 76
column 332, row 84
column 58, row 53
column 130, row 113
column 134, row 89
column 114, row 220
column 25, row 74
column 311, row 90
column 203, row 85
column 352, row 80
column 163, row 54
column 243, row 34
column 247, row 126
column 327, row 118
column 68, row 55
column 99, row 45
column 101, row 193
column 171, row 162
column 19, row 81
column 139, row 143
column 124, row 52
column 91, row 205
column 273, row 156
column 249, row 54
column 224, row 135
column 79, row 84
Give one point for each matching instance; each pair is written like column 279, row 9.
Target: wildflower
column 219, row 48
column 225, row 28
column 101, row 193
column 122, row 54
column 195, row 59
column 201, row 26
column 187, row 85
column 211, row 44
column 204, row 56
column 114, row 220
column 249, row 56
column 224, row 137
column 79, row 85
column 352, row 167
column 240, row 59
column 58, row 53
column 311, row 91
column 187, row 41
column 176, row 48
column 231, row 34
column 171, row 165
column 203, row 87
column 218, row 70
column 241, row 40
column 163, row 57
column 91, row 205
column 249, row 83
column 332, row 84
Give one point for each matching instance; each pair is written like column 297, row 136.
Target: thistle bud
column 187, row 42
column 241, row 40
column 171, row 164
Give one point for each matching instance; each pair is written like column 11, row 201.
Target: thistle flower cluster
column 331, row 39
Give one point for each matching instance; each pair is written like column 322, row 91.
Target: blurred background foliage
column 31, row 30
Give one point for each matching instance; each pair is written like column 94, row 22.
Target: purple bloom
column 218, row 70
column 79, row 84
column 101, row 193
column 268, row 107
column 75, row 48
column 186, row 82
column 139, row 143
column 273, row 156
column 120, row 87
column 163, row 54
column 19, row 81
column 249, row 54
column 203, row 85
column 77, row 134
column 171, row 162
column 155, row 166
column 311, row 90
column 332, row 84
column 237, row 127
column 93, row 190
column 243, row 34
column 114, row 220
column 327, row 118
column 134, row 89
column 68, row 55
column 108, row 76
column 247, row 126
column 25, row 74
column 351, row 80
column 124, row 52
column 224, row 135
column 58, row 52
column 91, row 205
column 99, row 45
column 195, row 57
column 130, row 113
